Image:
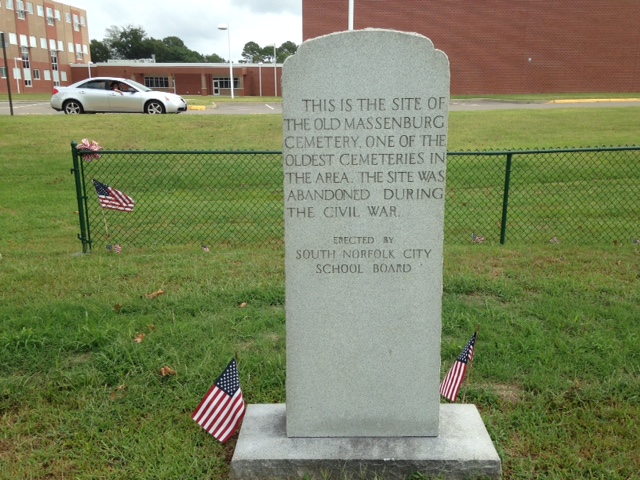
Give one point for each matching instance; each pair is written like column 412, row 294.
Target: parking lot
column 21, row 107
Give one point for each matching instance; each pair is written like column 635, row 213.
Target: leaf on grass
column 117, row 307
column 619, row 262
column 243, row 304
column 155, row 294
column 151, row 327
column 165, row 371
column 118, row 392
column 140, row 338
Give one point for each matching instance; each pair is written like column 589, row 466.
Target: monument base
column 463, row 450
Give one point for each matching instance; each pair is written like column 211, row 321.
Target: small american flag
column 222, row 409
column 113, row 199
column 451, row 384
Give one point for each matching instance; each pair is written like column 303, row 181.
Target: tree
column 100, row 51
column 286, row 50
column 252, row 53
column 214, row 58
column 130, row 43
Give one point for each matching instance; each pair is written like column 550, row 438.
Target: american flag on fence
column 450, row 386
column 222, row 409
column 113, row 199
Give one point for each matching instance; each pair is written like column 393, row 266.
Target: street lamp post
column 224, row 26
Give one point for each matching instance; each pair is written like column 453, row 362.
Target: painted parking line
column 269, row 106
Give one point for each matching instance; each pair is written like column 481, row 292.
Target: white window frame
column 43, row 43
column 60, row 46
column 67, row 17
column 13, row 38
column 40, row 10
column 83, row 21
column 36, row 74
column 57, row 15
column 47, row 75
column 20, row 12
column 24, row 41
column 3, row 72
column 63, row 76
column 9, row 4
column 30, row 8
column 33, row 41
column 70, row 47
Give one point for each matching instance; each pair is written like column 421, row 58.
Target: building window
column 67, row 17
column 78, row 51
column 60, row 46
column 49, row 16
column 225, row 83
column 43, row 43
column 36, row 74
column 40, row 10
column 70, row 47
column 30, row 7
column 13, row 39
column 76, row 24
column 156, row 82
column 63, row 76
column 3, row 72
column 52, row 45
column 54, row 60
column 9, row 4
column 26, row 64
column 33, row 41
column 47, row 75
column 21, row 14
column 58, row 17
column 83, row 22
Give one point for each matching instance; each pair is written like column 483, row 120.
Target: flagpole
column 466, row 380
column 106, row 227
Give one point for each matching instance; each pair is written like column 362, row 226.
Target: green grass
column 556, row 372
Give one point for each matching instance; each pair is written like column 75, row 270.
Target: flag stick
column 106, row 226
column 466, row 380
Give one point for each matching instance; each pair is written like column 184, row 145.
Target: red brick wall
column 509, row 46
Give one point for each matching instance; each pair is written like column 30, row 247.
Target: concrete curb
column 595, row 100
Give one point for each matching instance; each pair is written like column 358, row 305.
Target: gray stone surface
column 463, row 450
column 365, row 139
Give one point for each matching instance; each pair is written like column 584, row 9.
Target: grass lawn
column 83, row 341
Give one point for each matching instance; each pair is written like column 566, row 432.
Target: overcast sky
column 196, row 21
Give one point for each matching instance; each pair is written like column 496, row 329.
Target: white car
column 116, row 95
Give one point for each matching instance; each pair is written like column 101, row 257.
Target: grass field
column 557, row 370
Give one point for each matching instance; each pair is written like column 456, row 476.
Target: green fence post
column 85, row 235
column 505, row 199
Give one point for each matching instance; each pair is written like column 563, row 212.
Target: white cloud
column 260, row 21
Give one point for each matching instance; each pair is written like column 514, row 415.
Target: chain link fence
column 204, row 198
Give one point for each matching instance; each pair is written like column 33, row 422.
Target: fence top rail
column 458, row 153
column 545, row 150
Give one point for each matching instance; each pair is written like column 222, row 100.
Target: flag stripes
column 113, row 199
column 451, row 384
column 222, row 409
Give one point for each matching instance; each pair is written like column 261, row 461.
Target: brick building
column 192, row 78
column 42, row 39
column 508, row 46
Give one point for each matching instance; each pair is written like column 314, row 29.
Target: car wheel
column 72, row 107
column 154, row 107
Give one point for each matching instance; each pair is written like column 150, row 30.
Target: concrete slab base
column 462, row 450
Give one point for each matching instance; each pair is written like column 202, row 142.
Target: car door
column 127, row 99
column 93, row 96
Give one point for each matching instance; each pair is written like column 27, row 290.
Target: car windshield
column 139, row 86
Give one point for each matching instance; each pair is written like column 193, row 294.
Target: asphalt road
column 21, row 107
